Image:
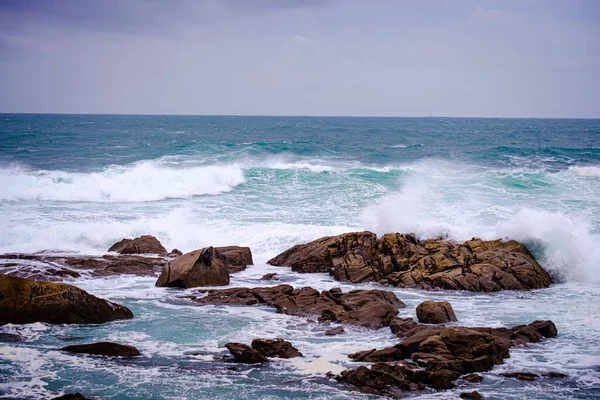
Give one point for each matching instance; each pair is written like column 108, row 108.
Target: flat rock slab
column 24, row 301
column 103, row 349
column 404, row 261
column 368, row 308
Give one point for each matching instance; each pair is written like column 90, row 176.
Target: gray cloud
column 509, row 58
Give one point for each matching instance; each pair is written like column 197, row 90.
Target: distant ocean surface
column 79, row 183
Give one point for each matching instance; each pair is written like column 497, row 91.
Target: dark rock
column 368, row 308
column 335, row 331
column 545, row 328
column 400, row 326
column 476, row 265
column 275, row 348
column 70, row 396
column 474, row 395
column 140, row 245
column 204, row 267
column 243, row 353
column 104, row 349
column 269, row 276
column 237, row 257
column 24, row 301
column 522, row 376
column 475, row 378
column 175, row 253
column 435, row 312
column 554, row 375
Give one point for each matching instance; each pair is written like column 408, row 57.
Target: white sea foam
column 589, row 171
column 143, row 181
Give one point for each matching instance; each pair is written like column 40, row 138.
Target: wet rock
column 243, row 353
column 52, row 268
column 24, row 301
column 522, row 376
column 405, row 261
column 368, row 308
column 545, row 328
column 204, row 267
column 400, row 326
column 335, row 331
column 103, row 349
column 383, row 379
column 175, row 253
column 475, row 378
column 237, row 257
column 474, row 395
column 275, row 348
column 269, row 276
column 554, row 375
column 435, row 312
column 140, row 245
column 70, row 396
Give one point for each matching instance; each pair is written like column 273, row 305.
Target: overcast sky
column 508, row 58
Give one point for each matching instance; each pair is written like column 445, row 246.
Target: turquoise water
column 80, row 183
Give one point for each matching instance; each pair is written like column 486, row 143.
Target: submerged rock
column 435, row 312
column 335, row 331
column 237, row 257
column 24, row 301
column 140, row 245
column 275, row 348
column 269, row 277
column 368, row 308
column 404, row 261
column 243, row 353
column 438, row 356
column 104, row 349
column 204, row 267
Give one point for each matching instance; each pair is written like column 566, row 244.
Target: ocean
column 79, row 183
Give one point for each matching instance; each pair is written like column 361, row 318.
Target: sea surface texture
column 80, row 183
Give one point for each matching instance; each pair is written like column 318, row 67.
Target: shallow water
column 81, row 183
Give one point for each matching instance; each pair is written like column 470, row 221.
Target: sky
column 508, row 58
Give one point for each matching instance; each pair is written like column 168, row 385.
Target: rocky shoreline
column 429, row 355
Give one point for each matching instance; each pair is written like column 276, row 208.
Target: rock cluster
column 368, row 308
column 24, row 301
column 261, row 349
column 404, row 261
column 437, row 356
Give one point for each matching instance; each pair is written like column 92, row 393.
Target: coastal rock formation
column 435, row 356
column 368, row 308
column 24, row 301
column 243, row 353
column 140, row 245
column 204, row 267
column 435, row 312
column 275, row 348
column 405, row 261
column 52, row 268
column 103, row 349
column 237, row 257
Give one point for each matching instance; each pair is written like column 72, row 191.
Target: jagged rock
column 140, row 245
column 441, row 356
column 404, row 261
column 435, row 312
column 474, row 395
column 175, row 253
column 368, row 308
column 269, row 276
column 204, row 267
column 522, row 376
column 335, row 331
column 237, row 257
column 275, row 348
column 104, row 349
column 70, row 396
column 24, row 301
column 243, row 353
column 400, row 326
column 475, row 378
column 51, row 268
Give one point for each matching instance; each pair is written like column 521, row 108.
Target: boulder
column 275, row 348
column 237, row 257
column 367, row 308
column 204, row 267
column 475, row 378
column 243, row 353
column 435, row 312
column 140, row 245
column 335, row 331
column 103, row 349
column 405, row 261
column 24, row 301
column 474, row 395
column 269, row 277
